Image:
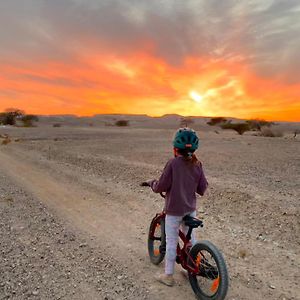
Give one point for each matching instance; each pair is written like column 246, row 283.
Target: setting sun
column 195, row 96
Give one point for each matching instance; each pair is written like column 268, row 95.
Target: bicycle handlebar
column 145, row 183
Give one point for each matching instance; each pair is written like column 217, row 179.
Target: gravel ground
column 41, row 258
column 251, row 212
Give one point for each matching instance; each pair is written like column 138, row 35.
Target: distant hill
column 168, row 121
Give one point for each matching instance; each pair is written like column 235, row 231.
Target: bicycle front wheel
column 157, row 241
column 211, row 281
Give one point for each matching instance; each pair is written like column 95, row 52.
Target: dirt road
column 88, row 180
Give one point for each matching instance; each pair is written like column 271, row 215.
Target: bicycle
column 206, row 267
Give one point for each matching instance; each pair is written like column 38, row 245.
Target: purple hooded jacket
column 181, row 180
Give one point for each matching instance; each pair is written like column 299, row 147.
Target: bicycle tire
column 156, row 257
column 223, row 278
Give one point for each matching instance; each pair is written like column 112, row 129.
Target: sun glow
column 140, row 83
column 195, row 96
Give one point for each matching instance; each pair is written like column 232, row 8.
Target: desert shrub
column 217, row 121
column 240, row 128
column 2, row 117
column 122, row 123
column 10, row 115
column 186, row 122
column 268, row 132
column 6, row 141
column 56, row 125
column 257, row 124
column 28, row 120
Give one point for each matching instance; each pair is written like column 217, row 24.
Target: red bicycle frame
column 183, row 256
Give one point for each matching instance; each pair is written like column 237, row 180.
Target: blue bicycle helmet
column 186, row 139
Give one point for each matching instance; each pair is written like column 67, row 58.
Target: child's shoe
column 165, row 279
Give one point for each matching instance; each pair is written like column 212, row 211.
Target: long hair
column 187, row 155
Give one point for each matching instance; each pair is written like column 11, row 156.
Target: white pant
column 172, row 231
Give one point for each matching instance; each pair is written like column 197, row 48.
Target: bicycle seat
column 192, row 222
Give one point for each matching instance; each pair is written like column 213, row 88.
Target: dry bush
column 10, row 116
column 186, row 122
column 56, row 125
column 6, row 141
column 28, row 120
column 268, row 132
column 258, row 124
column 240, row 128
column 122, row 123
column 217, row 121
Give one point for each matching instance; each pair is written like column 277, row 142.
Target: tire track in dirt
column 41, row 258
column 99, row 218
column 97, row 198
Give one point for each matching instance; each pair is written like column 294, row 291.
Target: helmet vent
column 186, row 138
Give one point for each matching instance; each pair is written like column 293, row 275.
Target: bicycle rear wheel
column 157, row 242
column 211, row 282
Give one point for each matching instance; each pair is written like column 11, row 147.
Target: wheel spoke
column 210, row 281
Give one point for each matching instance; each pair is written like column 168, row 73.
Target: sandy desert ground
column 74, row 219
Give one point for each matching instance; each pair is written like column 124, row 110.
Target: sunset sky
column 190, row 57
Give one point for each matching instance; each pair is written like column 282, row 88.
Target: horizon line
column 161, row 116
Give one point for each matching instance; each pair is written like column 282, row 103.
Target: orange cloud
column 144, row 84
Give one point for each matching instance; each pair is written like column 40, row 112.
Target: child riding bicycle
column 181, row 179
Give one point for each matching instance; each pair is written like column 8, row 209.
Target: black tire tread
column 156, row 259
column 224, row 278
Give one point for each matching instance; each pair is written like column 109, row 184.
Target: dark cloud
column 56, row 81
column 264, row 34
